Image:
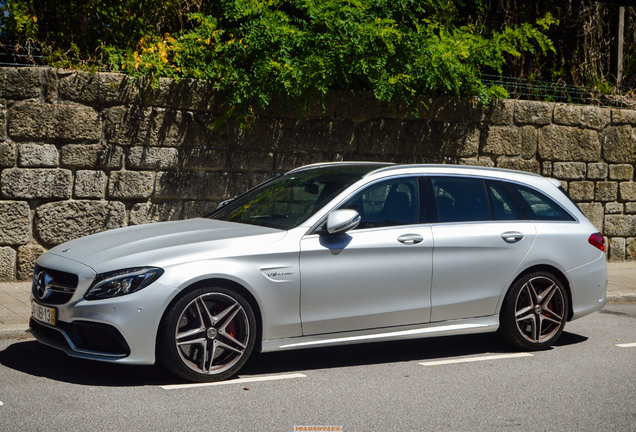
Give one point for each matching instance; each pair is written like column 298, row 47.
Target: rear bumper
column 588, row 285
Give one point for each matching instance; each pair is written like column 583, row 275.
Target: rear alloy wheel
column 208, row 335
column 534, row 311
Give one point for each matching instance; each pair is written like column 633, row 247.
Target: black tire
column 207, row 335
column 534, row 311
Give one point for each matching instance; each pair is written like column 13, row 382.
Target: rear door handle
column 410, row 239
column 512, row 236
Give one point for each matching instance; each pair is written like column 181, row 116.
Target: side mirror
column 340, row 221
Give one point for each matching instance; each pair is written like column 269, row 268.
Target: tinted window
column 392, row 202
column 460, row 199
column 503, row 203
column 539, row 206
column 287, row 201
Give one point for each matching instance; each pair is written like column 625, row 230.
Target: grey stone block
column 595, row 117
column 251, row 161
column 92, row 156
column 15, row 217
column 630, row 208
column 594, row 212
column 630, row 249
column 195, row 209
column 567, row 115
column 191, row 185
column 38, row 155
column 616, row 249
column 478, row 161
column 131, row 184
column 90, row 184
column 7, row 264
column 157, row 158
column 208, row 159
column 60, row 222
column 99, row 88
column 529, row 142
column 153, row 127
column 627, row 191
column 36, row 183
column 581, row 190
column 27, row 255
column 501, row 112
column 569, row 170
column 621, row 172
column 597, row 171
column 614, row 208
column 155, row 212
column 503, row 140
column 620, row 225
column 564, row 143
column 7, row 154
column 518, row 164
column 41, row 121
column 20, row 83
column 619, row 144
column 623, row 116
column 606, row 191
column 532, row 112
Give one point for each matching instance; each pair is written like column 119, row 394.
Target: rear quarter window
column 539, row 206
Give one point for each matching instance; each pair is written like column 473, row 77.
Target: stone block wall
column 81, row 153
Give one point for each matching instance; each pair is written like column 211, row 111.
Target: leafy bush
column 292, row 52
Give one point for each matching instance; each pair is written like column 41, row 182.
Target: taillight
column 597, row 241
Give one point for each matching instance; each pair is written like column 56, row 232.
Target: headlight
column 122, row 282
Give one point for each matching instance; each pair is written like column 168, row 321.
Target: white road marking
column 627, row 345
column 1, row 403
column 476, row 359
column 236, row 381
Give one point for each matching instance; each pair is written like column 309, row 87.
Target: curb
column 621, row 298
column 15, row 332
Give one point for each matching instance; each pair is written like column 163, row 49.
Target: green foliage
column 290, row 53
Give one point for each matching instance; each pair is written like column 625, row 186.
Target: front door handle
column 512, row 236
column 410, row 239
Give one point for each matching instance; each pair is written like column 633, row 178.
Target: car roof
column 381, row 168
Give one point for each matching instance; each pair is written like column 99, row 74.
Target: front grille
column 85, row 336
column 53, row 286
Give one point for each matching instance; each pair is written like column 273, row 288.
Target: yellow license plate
column 43, row 314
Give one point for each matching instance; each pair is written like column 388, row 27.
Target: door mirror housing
column 340, row 221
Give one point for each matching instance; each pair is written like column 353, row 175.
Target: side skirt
column 465, row 326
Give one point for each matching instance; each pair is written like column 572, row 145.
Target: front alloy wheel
column 534, row 311
column 208, row 335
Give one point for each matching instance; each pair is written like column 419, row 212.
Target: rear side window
column 504, row 205
column 538, row 206
column 460, row 199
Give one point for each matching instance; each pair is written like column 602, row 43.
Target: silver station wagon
column 327, row 254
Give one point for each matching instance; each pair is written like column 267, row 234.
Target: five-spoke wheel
column 208, row 334
column 534, row 311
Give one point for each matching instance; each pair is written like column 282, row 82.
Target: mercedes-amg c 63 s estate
column 327, row 254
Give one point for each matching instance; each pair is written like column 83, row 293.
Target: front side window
column 387, row 203
column 287, row 201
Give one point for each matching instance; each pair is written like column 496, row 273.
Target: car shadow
column 436, row 348
column 36, row 359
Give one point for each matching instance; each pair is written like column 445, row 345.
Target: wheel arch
column 557, row 273
column 223, row 283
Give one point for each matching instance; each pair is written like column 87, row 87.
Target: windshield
column 287, row 201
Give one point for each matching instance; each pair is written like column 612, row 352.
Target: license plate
column 43, row 314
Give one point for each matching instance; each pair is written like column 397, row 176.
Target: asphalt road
column 587, row 382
